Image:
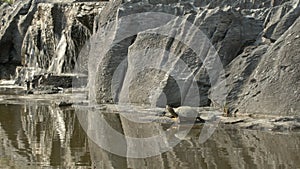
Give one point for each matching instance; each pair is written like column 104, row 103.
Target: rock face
column 54, row 44
column 227, row 29
column 14, row 23
column 273, row 86
column 157, row 63
column 47, row 36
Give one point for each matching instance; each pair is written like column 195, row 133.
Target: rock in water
column 184, row 114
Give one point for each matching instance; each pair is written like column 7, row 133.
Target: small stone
column 64, row 104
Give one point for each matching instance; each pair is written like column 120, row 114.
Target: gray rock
column 273, row 86
column 227, row 29
column 238, row 73
column 242, row 34
column 60, row 38
column 12, row 31
column 280, row 18
column 33, row 34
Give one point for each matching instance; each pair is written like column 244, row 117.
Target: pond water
column 37, row 134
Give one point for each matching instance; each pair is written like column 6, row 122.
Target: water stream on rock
column 57, row 62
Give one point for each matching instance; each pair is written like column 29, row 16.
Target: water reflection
column 35, row 134
column 41, row 135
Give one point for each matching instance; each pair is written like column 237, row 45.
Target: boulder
column 226, row 29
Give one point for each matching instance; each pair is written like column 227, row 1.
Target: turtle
column 183, row 114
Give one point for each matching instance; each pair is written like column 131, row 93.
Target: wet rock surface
column 44, row 35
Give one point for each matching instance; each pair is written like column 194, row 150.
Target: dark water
column 35, row 134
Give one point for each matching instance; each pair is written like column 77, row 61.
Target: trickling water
column 58, row 60
column 52, row 45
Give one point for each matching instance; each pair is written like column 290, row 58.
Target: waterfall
column 58, row 61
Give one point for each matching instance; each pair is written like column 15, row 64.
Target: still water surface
column 34, row 134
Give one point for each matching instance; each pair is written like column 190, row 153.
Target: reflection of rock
column 226, row 149
column 37, row 130
column 227, row 146
column 41, row 135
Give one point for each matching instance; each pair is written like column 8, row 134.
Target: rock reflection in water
column 41, row 135
column 45, row 135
